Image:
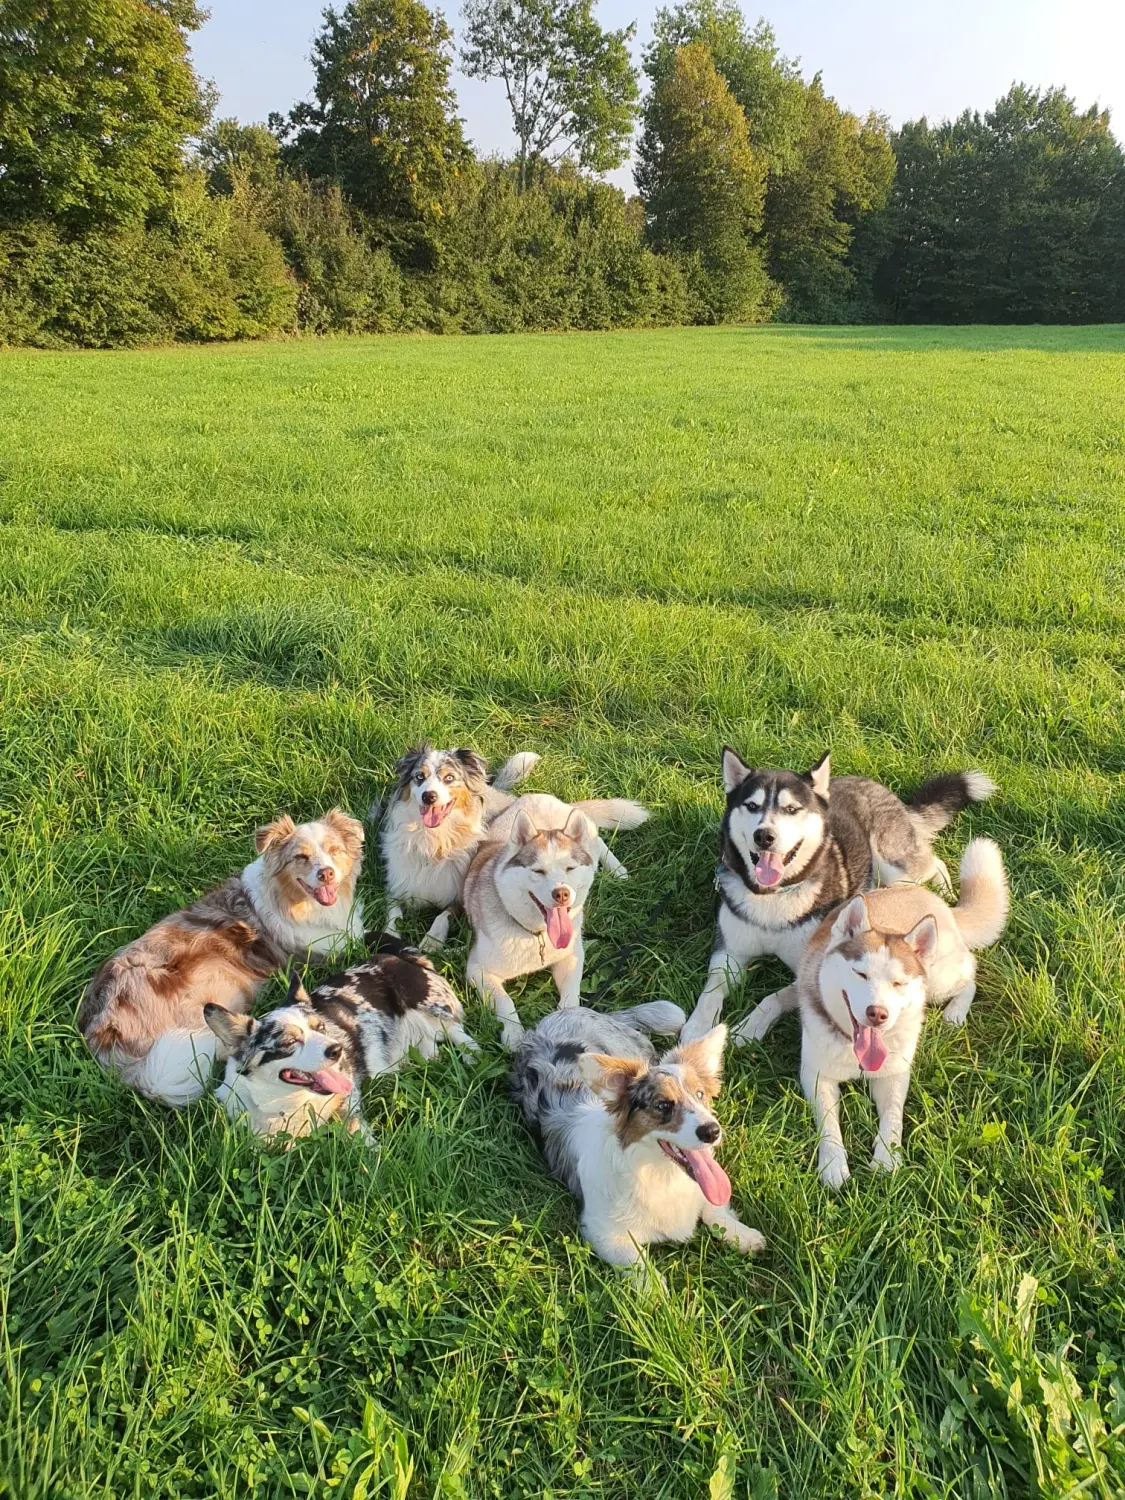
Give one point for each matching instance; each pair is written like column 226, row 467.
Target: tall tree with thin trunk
column 571, row 86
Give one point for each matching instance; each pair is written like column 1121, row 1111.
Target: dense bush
column 210, row 272
column 565, row 253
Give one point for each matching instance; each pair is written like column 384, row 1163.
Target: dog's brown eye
column 664, row 1108
column 448, row 780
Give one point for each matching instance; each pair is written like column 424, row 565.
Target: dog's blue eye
column 699, row 1093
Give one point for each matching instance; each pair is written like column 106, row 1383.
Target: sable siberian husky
column 302, row 1064
column 433, row 823
column 796, row 846
column 525, row 893
column 862, row 989
column 630, row 1135
column 142, row 1013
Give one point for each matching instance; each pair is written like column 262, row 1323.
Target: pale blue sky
column 902, row 57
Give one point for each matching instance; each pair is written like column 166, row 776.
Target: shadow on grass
column 1104, row 338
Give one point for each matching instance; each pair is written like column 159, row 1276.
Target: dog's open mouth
column 324, row 894
column 560, row 929
column 867, row 1042
column 436, row 813
column 769, row 865
column 712, row 1181
column 323, row 1081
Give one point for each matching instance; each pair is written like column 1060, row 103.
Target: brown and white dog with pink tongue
column 863, row 985
column 631, row 1134
column 525, row 893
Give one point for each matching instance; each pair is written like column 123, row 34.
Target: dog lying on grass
column 302, row 1064
column 142, row 1013
column 630, row 1134
column 526, row 891
column 863, row 986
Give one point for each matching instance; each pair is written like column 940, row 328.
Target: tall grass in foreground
column 233, row 582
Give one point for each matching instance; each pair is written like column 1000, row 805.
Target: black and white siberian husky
column 796, row 846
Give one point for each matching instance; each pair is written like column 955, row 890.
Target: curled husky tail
column 982, row 909
column 515, row 769
column 659, row 1016
column 614, row 812
column 939, row 800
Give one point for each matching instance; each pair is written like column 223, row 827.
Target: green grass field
column 239, row 581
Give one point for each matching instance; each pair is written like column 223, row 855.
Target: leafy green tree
column 570, row 85
column 383, row 125
column 840, row 171
column 766, row 85
column 230, row 151
column 704, row 188
column 1018, row 216
column 97, row 98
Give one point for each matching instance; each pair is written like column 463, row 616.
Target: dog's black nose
column 764, row 838
column 709, row 1133
column 332, row 1052
column 429, row 798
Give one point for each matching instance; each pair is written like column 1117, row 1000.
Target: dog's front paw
column 748, row 1240
column 833, row 1168
column 431, row 944
column 957, row 1011
column 619, row 872
column 757, row 1023
column 511, row 1034
column 645, row 1278
column 885, row 1158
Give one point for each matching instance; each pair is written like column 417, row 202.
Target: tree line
column 129, row 214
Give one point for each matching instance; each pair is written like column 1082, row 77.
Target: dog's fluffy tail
column 516, row 769
column 982, row 909
column 614, row 812
column 938, row 801
column 660, row 1016
column 176, row 1070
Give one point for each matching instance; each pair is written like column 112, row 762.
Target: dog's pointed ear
column 609, row 1077
column 851, row 921
column 232, row 1030
column 298, row 995
column 735, row 769
column 704, row 1056
column 580, row 827
column 348, row 830
column 475, row 767
column 272, row 834
column 923, row 939
column 523, row 829
column 819, row 777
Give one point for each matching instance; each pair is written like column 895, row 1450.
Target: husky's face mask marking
column 438, row 781
column 547, row 877
column 775, row 819
column 869, row 978
column 287, row 1049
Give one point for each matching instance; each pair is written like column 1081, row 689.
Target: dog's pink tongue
column 769, row 869
column 325, row 894
column 869, row 1048
column 560, row 929
column 331, row 1082
column 432, row 816
column 713, row 1182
